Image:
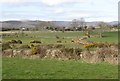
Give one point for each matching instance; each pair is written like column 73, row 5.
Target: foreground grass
column 17, row 68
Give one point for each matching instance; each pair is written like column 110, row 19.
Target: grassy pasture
column 50, row 37
column 17, row 68
column 110, row 37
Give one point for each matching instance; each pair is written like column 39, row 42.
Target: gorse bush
column 89, row 46
column 99, row 45
column 33, row 50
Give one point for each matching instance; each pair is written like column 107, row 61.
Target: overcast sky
column 59, row 10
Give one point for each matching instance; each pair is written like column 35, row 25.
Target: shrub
column 71, row 53
column 100, row 45
column 26, row 34
column 89, row 46
column 19, row 41
column 78, row 51
column 24, row 47
column 5, row 46
column 13, row 41
column 33, row 50
column 59, row 41
column 32, row 45
column 41, row 50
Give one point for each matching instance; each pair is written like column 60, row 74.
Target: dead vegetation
column 103, row 53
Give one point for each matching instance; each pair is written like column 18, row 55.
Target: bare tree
column 78, row 24
column 51, row 25
column 74, row 23
column 103, row 26
column 82, row 22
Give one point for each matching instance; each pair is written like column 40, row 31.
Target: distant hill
column 32, row 24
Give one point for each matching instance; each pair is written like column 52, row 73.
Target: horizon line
column 52, row 20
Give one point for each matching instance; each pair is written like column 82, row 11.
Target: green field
column 48, row 37
column 111, row 37
column 17, row 68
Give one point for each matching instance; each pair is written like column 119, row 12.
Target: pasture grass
column 110, row 37
column 48, row 37
column 18, row 68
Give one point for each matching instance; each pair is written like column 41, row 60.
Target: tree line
column 74, row 25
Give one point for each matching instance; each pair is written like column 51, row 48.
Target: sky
column 59, row 10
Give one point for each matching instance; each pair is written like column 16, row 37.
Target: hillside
column 32, row 24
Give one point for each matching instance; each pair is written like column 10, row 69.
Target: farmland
column 19, row 68
column 16, row 68
column 59, row 39
column 50, row 37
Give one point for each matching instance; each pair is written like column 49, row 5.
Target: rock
column 83, row 38
column 8, row 53
column 27, row 52
column 53, row 53
column 18, row 53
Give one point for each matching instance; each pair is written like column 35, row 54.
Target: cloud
column 57, row 2
column 11, row 1
column 59, row 9
column 47, row 2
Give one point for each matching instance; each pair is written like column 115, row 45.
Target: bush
column 24, row 47
column 78, row 51
column 59, row 41
column 35, row 41
column 87, row 46
column 6, row 46
column 41, row 50
column 72, row 53
column 19, row 42
column 13, row 41
column 33, row 50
